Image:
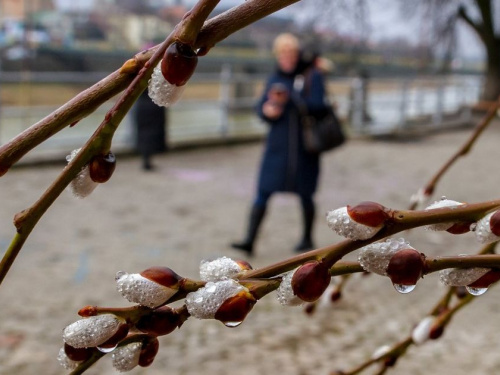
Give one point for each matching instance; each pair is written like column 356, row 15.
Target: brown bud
column 461, row 292
column 159, row 322
column 244, row 265
column 436, row 332
column 310, row 281
column 120, row 334
column 459, row 228
column 179, row 63
column 101, row 167
column 336, row 295
column 88, row 311
column 368, row 213
column 310, row 308
column 390, row 361
column 492, row 276
column 163, row 276
column 148, row 352
column 495, row 223
column 77, row 354
column 235, row 309
column 406, row 267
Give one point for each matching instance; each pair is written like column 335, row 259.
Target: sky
column 385, row 18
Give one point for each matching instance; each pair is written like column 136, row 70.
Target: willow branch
column 100, row 141
column 89, row 100
column 429, row 188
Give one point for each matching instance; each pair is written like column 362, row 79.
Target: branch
column 478, row 28
column 89, row 100
column 428, row 189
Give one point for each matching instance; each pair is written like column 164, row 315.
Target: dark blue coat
column 286, row 165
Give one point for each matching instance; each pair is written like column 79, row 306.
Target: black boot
column 256, row 216
column 306, row 243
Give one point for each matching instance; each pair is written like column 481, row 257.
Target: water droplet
column 106, row 350
column 404, row 288
column 232, row 324
column 476, row 291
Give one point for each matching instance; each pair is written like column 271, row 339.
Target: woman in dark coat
column 150, row 125
column 286, row 165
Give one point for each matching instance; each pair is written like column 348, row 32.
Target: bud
column 344, row 225
column 421, row 333
column 310, row 280
column 368, row 213
column 375, row 257
column 148, row 352
column 459, row 228
column 285, row 293
column 492, row 276
column 92, row 331
column 159, row 322
column 487, row 228
column 461, row 276
column 406, row 267
column 310, row 308
column 87, row 311
column 221, row 268
column 380, row 352
column 440, row 204
column 82, row 185
column 234, row 310
column 206, row 301
column 101, row 167
column 77, row 355
column 126, row 357
column 65, row 361
column 152, row 287
column 178, row 63
column 161, row 92
column 113, row 341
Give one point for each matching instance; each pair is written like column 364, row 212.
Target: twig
column 429, row 188
column 89, row 100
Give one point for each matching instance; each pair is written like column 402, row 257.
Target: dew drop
column 232, row 324
column 106, row 350
column 404, row 288
column 476, row 291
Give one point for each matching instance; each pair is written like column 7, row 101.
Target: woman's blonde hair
column 285, row 41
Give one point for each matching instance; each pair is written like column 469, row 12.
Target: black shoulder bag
column 322, row 130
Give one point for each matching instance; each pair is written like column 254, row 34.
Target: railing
column 382, row 107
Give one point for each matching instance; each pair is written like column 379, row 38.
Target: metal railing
column 385, row 106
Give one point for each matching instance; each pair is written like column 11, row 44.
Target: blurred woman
column 286, row 165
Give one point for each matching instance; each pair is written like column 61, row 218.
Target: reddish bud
column 368, row 213
column 148, row 352
column 459, row 228
column 335, row 296
column 244, row 265
column 310, row 308
column 486, row 280
column 390, row 361
column 406, row 267
column 495, row 223
column 87, row 311
column 461, row 292
column 159, row 322
column 101, row 167
column 120, row 334
column 436, row 332
column 235, row 309
column 310, row 281
column 163, row 276
column 179, row 63
column 77, row 354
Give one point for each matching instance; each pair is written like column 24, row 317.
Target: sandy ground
column 189, row 209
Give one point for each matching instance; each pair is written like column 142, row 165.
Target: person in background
column 150, row 123
column 286, row 166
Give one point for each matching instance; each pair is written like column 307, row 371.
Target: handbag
column 322, row 131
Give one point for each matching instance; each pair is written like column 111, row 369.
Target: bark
column 491, row 89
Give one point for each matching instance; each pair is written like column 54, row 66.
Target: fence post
column 225, row 98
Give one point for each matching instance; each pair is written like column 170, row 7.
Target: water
column 404, row 289
column 476, row 291
column 232, row 324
